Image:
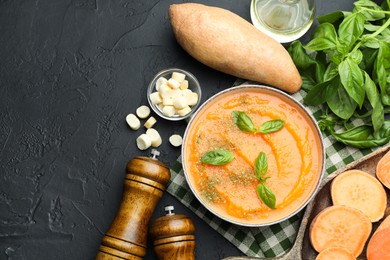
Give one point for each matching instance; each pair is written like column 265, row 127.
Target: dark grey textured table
column 70, row 72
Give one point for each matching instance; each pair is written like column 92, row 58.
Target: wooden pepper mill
column 173, row 236
column 144, row 184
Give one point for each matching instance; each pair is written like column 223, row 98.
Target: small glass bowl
column 193, row 85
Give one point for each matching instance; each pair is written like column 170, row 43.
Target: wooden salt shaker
column 173, row 236
column 144, row 184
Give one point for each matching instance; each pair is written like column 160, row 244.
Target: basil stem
column 217, row 157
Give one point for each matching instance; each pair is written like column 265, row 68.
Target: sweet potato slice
column 340, row 226
column 379, row 245
column 383, row 170
column 384, row 224
column 360, row 190
column 335, row 253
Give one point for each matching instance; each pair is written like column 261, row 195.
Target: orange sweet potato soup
column 294, row 156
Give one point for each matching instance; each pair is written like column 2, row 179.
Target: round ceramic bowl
column 193, row 85
column 244, row 122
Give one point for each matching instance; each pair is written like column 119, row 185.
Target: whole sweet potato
column 226, row 42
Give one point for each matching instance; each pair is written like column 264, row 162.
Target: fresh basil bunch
column 345, row 67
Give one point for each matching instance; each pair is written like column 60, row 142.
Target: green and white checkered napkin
column 266, row 241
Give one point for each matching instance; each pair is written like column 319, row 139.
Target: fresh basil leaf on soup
column 243, row 122
column 271, row 126
column 217, row 157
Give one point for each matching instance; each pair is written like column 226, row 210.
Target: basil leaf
column 319, row 44
column 370, row 27
column 356, row 56
column 382, row 83
column 374, row 42
column 266, row 195
column 330, row 72
column 317, row 95
column 332, row 17
column 271, row 126
column 358, row 133
column 351, row 28
column 384, row 132
column 351, row 77
column 261, row 165
column 362, row 6
column 377, row 115
column 369, row 57
column 307, row 81
column 332, row 88
column 243, row 122
column 386, row 32
column 370, row 42
column 301, row 59
column 337, row 56
column 325, row 37
column 341, row 103
column 217, row 157
column 382, row 72
column 362, row 136
column 307, row 65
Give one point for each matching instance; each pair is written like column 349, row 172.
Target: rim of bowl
column 317, row 132
column 151, row 89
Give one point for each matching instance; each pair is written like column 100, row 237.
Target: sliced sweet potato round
column 383, row 170
column 378, row 247
column 384, row 224
column 340, row 226
column 335, row 253
column 360, row 190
